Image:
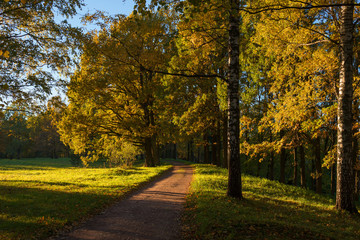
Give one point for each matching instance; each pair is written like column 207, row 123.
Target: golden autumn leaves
column 22, row 1
column 4, row 54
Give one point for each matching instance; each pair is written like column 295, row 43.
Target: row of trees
column 190, row 71
column 25, row 134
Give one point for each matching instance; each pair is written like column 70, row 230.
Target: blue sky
column 110, row 6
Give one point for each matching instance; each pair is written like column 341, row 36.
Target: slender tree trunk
column 191, row 150
column 355, row 149
column 188, row 151
column 302, row 166
column 155, row 150
column 260, row 138
column 206, row 149
column 225, row 143
column 313, row 178
column 318, row 170
column 333, row 179
column 345, row 166
column 282, row 165
column 174, row 151
column 213, row 151
column 234, row 180
column 296, row 157
column 218, row 144
column 270, row 172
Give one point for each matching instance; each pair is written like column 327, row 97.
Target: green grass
column 38, row 197
column 270, row 210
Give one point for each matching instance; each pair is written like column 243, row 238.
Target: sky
column 110, row 6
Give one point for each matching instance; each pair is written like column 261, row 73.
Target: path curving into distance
column 152, row 213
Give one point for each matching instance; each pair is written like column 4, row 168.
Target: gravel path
column 151, row 213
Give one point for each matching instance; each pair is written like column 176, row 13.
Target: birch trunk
column 234, row 181
column 345, row 171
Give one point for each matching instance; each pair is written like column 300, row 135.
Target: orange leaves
column 4, row 54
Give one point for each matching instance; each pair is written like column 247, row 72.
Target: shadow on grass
column 26, row 213
column 270, row 210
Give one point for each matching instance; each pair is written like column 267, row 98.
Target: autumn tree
column 333, row 23
column 198, row 97
column 32, row 45
column 116, row 96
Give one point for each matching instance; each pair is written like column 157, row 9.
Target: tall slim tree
column 234, row 182
column 345, row 166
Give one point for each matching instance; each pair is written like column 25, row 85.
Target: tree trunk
column 318, row 170
column 345, row 167
column 155, row 150
column 313, row 179
column 295, row 177
column 174, row 154
column 188, row 151
column 206, row 149
column 270, row 172
column 149, row 157
column 260, row 139
column 282, row 165
column 302, row 166
column 333, row 179
column 214, row 151
column 355, row 149
column 225, row 144
column 218, row 144
column 234, row 180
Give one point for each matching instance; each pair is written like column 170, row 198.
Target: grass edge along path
column 40, row 197
column 270, row 210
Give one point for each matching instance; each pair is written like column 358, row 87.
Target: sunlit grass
column 270, row 210
column 40, row 196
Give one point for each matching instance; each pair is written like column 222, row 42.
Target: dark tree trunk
column 206, row 149
column 234, row 180
column 174, row 154
column 192, row 157
column 355, row 149
column 295, row 176
column 188, row 151
column 282, row 165
column 214, row 151
column 318, row 170
column 149, row 157
column 313, row 179
column 302, row 166
column 270, row 172
column 333, row 179
column 218, row 144
column 225, row 144
column 260, row 138
column 155, row 150
column 345, row 167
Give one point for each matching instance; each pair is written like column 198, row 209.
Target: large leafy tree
column 32, row 45
column 117, row 96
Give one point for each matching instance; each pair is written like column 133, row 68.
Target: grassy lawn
column 270, row 211
column 40, row 196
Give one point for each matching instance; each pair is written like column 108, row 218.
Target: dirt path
column 150, row 213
